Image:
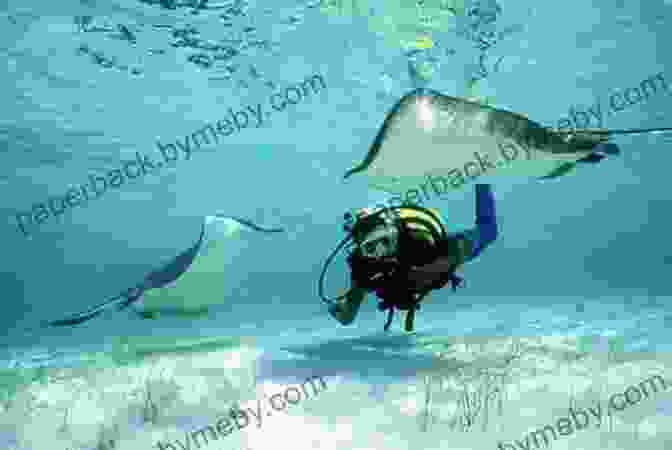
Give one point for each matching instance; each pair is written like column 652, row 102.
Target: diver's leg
column 346, row 310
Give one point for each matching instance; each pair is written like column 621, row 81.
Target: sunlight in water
column 426, row 118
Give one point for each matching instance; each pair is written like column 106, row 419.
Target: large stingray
column 185, row 285
column 428, row 137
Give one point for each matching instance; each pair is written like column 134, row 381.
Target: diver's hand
column 345, row 309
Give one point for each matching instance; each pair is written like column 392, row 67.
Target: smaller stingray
column 214, row 231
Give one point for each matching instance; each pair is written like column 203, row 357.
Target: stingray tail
column 603, row 131
column 120, row 301
column 597, row 140
column 582, row 140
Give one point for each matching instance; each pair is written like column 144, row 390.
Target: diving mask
column 381, row 242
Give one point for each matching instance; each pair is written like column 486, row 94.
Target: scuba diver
column 402, row 253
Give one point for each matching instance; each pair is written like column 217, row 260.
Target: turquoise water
column 126, row 122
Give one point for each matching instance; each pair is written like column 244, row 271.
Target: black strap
column 410, row 318
column 411, row 306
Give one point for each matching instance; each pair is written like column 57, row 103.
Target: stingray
column 428, row 137
column 148, row 297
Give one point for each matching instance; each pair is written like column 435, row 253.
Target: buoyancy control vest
column 421, row 237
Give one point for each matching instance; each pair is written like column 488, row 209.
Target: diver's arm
column 472, row 242
column 485, row 232
column 464, row 246
column 463, row 249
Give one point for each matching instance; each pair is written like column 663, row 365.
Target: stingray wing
column 175, row 267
